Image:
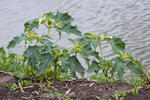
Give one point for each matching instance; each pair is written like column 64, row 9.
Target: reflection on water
column 129, row 19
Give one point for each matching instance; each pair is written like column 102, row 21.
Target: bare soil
column 80, row 89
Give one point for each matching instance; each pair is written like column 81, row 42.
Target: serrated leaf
column 93, row 67
column 64, row 62
column 16, row 40
column 119, row 67
column 2, row 51
column 71, row 29
column 75, row 65
column 65, row 18
column 32, row 55
column 135, row 68
column 117, row 44
column 94, row 43
column 31, row 25
column 48, row 44
column 45, row 61
column 49, row 15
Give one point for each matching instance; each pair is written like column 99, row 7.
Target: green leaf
column 65, row 21
column 65, row 18
column 2, row 51
column 75, row 65
column 31, row 25
column 71, row 29
column 117, row 44
column 64, row 61
column 59, row 32
column 134, row 67
column 16, row 40
column 45, row 61
column 95, row 43
column 119, row 67
column 88, row 34
column 32, row 55
column 48, row 44
column 49, row 15
column 93, row 67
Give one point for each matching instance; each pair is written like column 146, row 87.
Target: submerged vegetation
column 44, row 60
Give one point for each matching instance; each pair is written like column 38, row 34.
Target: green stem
column 45, row 25
column 55, row 70
column 100, row 47
column 48, row 32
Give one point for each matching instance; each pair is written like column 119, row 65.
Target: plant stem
column 100, row 47
column 48, row 32
column 45, row 25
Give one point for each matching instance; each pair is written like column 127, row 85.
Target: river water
column 129, row 19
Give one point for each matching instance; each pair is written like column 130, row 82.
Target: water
column 129, row 19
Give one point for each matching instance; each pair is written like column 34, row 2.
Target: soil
column 80, row 89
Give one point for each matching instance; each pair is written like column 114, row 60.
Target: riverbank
column 80, row 89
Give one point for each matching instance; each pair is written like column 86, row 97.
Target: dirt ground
column 80, row 89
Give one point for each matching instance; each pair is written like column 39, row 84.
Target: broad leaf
column 31, row 25
column 49, row 15
column 45, row 61
column 64, row 62
column 71, row 29
column 65, row 19
column 16, row 40
column 75, row 65
column 135, row 68
column 48, row 44
column 32, row 55
column 119, row 67
column 2, row 51
column 94, row 43
column 117, row 44
column 93, row 67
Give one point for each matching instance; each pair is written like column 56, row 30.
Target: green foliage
column 46, row 58
column 102, row 78
column 16, row 40
column 119, row 95
column 43, row 58
column 12, row 86
column 15, row 64
column 91, row 42
column 60, row 96
column 135, row 90
column 140, row 81
column 25, row 83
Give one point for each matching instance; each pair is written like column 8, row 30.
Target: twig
column 144, row 93
column 36, row 92
column 20, row 87
column 91, row 84
column 67, row 91
column 28, row 87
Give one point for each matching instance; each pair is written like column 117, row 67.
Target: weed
column 102, row 78
column 119, row 95
column 60, row 96
column 46, row 58
column 12, row 86
column 87, row 46
column 27, row 97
